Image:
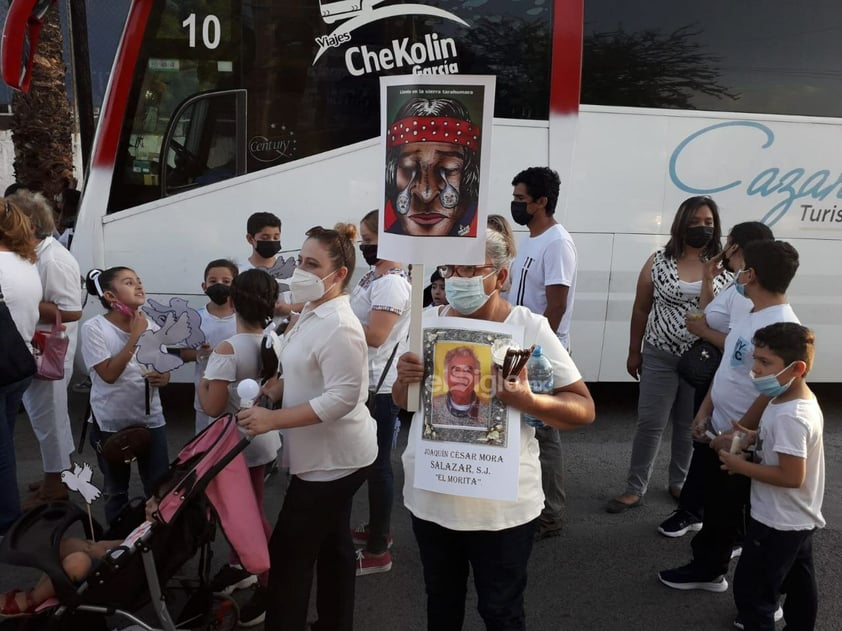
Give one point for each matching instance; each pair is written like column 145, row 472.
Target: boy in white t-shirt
column 787, row 484
column 263, row 234
column 769, row 267
column 218, row 324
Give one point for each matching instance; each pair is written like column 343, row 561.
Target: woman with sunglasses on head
column 493, row 538
column 330, row 438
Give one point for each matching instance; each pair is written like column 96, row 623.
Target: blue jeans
column 381, row 479
column 10, row 398
column 152, row 467
column 499, row 560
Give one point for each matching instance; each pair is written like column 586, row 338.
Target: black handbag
column 127, row 445
column 16, row 362
column 698, row 364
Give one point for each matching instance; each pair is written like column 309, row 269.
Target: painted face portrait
column 432, row 170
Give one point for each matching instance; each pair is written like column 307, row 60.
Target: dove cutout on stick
column 79, row 479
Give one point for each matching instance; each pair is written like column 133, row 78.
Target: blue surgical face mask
column 769, row 385
column 741, row 289
column 466, row 295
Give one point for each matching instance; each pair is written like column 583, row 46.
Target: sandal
column 11, row 609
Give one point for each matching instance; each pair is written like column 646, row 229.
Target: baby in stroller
column 86, row 581
column 77, row 559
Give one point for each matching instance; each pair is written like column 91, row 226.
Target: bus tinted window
column 775, row 57
column 311, row 73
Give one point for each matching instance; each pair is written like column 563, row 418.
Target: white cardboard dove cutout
column 150, row 346
column 79, row 479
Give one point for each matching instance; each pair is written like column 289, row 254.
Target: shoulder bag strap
column 386, row 369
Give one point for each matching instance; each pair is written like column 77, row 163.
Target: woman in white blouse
column 21, row 291
column 493, row 538
column 330, row 438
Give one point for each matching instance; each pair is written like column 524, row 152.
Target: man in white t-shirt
column 769, row 267
column 544, row 281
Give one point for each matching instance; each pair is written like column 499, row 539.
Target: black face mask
column 520, row 215
column 267, row 249
column 218, row 293
column 698, row 236
column 369, row 251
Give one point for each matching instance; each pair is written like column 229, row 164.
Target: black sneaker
column 689, row 577
column 253, row 612
column 231, row 577
column 679, row 524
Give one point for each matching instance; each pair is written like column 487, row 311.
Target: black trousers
column 498, row 559
column 726, row 506
column 313, row 530
column 775, row 562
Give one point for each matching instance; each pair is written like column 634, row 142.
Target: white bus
column 221, row 108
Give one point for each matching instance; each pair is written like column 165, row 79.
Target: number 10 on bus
column 211, row 31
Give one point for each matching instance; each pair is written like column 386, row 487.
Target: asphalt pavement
column 600, row 574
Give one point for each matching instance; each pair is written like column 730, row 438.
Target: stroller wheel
column 224, row 613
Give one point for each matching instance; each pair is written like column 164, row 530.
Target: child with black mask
column 263, row 234
column 218, row 324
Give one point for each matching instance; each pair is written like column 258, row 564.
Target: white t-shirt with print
column 732, row 391
column 793, row 428
column 726, row 307
column 117, row 405
column 468, row 513
column 389, row 292
column 216, row 330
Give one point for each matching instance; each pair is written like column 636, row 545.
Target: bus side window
column 204, row 142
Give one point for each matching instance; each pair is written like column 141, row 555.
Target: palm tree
column 41, row 123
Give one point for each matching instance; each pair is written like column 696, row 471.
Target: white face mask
column 306, row 286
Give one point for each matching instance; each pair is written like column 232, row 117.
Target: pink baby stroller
column 204, row 488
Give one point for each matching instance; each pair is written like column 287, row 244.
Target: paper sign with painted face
column 436, row 135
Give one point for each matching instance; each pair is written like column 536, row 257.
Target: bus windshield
column 310, row 75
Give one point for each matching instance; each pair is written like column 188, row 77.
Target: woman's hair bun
column 347, row 230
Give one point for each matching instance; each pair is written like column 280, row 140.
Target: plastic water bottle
column 540, row 373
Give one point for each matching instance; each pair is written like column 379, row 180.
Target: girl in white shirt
column 253, row 296
column 120, row 397
column 329, row 441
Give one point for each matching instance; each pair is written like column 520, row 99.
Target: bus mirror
column 21, row 32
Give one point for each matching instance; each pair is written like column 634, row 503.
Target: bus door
column 204, row 142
